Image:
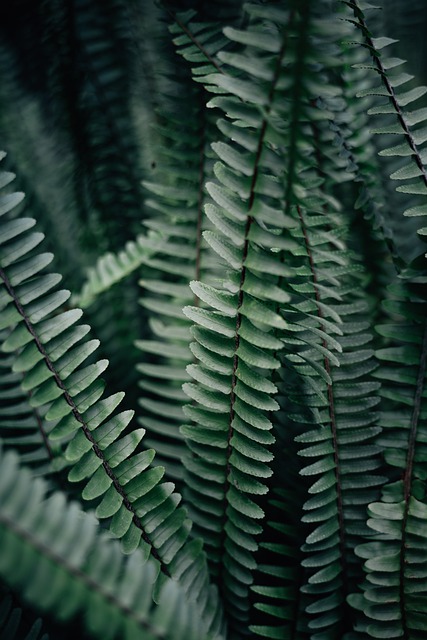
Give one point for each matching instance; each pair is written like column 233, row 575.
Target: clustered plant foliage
column 242, row 226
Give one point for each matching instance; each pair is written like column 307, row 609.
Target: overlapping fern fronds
column 53, row 357
column 394, row 597
column 263, row 263
column 177, row 199
column 245, row 242
column 235, row 336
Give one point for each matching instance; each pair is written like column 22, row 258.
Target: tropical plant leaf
column 174, row 234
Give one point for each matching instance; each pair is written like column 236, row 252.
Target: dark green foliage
column 219, row 182
column 12, row 624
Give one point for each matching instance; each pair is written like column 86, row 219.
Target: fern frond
column 278, row 603
column 409, row 123
column 326, row 321
column 52, row 553
column 270, row 237
column 53, row 356
column 328, row 345
column 180, row 256
column 388, row 599
column 312, row 290
column 235, row 341
column 49, row 196
column 97, row 105
column 110, row 269
column 21, row 425
column 340, row 445
column 306, row 294
column 371, row 233
column 279, row 576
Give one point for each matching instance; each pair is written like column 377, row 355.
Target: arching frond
column 235, row 339
column 53, row 358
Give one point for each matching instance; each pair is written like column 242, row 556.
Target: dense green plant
column 266, row 473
